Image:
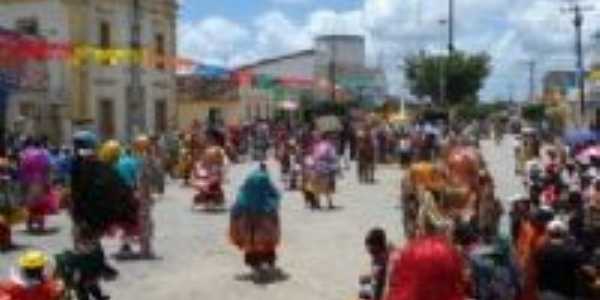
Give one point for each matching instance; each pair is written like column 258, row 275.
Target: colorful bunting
column 16, row 48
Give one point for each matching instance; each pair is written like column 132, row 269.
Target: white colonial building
column 337, row 63
column 93, row 93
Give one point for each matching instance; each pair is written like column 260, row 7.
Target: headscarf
column 427, row 269
column 257, row 195
column 128, row 169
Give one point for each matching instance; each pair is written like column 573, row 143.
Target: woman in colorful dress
column 255, row 224
column 207, row 178
column 39, row 198
column 322, row 176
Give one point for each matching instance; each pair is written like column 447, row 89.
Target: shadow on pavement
column 335, row 208
column 265, row 277
column 15, row 248
column 133, row 257
column 48, row 231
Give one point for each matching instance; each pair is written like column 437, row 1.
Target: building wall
column 52, row 95
column 260, row 104
column 347, row 50
column 188, row 111
column 81, row 87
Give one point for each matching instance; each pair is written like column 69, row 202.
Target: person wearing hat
column 100, row 202
column 558, row 263
column 142, row 147
column 31, row 283
column 126, row 167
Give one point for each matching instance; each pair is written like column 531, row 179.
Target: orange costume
column 530, row 240
column 32, row 284
column 426, row 175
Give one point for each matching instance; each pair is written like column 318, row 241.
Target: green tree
column 463, row 74
column 534, row 112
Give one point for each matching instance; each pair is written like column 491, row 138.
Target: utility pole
column 450, row 27
column 135, row 104
column 332, row 70
column 531, row 64
column 578, row 19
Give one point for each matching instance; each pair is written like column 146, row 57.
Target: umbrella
column 208, row 71
column 329, row 123
column 86, row 137
column 588, row 153
column 579, row 136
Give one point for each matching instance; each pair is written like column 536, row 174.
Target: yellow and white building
column 93, row 93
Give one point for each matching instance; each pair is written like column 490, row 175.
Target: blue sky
column 233, row 32
column 244, row 11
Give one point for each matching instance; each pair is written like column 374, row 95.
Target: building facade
column 96, row 93
column 260, row 102
column 335, row 70
column 208, row 100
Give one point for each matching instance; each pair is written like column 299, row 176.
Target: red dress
column 49, row 290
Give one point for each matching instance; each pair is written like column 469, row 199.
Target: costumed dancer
column 126, row 167
column 288, row 159
column 101, row 204
column 39, row 198
column 207, row 178
column 148, row 169
column 11, row 212
column 295, row 165
column 31, row 281
column 531, row 238
column 63, row 175
column 208, row 175
column 158, row 154
column 255, row 225
column 422, row 179
column 186, row 158
column 367, row 152
column 323, row 174
column 427, row 269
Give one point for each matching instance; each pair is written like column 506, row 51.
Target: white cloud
column 510, row 30
column 213, row 40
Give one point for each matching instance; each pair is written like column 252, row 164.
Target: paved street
column 322, row 253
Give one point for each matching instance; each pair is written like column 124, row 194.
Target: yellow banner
column 116, row 56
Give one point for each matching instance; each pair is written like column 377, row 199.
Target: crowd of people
column 454, row 247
